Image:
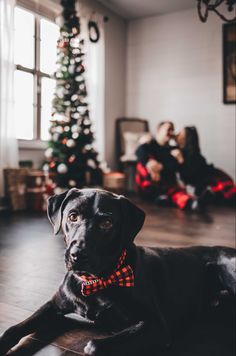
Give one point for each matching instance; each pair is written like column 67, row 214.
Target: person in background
column 197, row 172
column 156, row 171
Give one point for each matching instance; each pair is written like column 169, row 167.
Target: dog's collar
column 122, row 276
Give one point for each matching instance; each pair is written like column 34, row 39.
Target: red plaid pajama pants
column 150, row 190
column 222, row 184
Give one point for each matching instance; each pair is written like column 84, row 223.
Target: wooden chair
column 133, row 125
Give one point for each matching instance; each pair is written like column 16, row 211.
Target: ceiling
column 132, row 9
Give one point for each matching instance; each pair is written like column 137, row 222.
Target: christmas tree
column 70, row 154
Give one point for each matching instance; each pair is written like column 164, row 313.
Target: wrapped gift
column 40, row 185
column 35, row 199
column 114, row 181
column 28, row 188
column 36, row 179
column 15, row 187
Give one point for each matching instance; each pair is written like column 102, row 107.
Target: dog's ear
column 133, row 219
column 56, row 205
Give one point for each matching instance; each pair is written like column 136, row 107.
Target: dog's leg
column 131, row 341
column 48, row 314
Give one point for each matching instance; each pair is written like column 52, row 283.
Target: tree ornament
column 74, row 30
column 63, row 44
column 59, row 190
column 87, row 122
column 62, row 168
column 49, row 152
column 74, row 42
column 72, row 158
column 88, row 147
column 75, row 135
column 70, row 143
column 82, row 110
column 58, row 117
column 74, row 128
column 78, row 78
column 87, row 131
column 59, row 75
column 74, row 97
column 59, row 129
column 52, row 164
column 71, row 69
column 76, row 115
column 55, row 137
column 60, row 92
column 76, row 51
column 91, row 163
column 46, row 167
column 72, row 183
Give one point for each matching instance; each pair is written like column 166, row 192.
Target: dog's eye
column 73, row 217
column 106, row 224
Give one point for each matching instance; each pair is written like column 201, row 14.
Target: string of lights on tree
column 70, row 154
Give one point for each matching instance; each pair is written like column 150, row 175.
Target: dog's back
column 185, row 279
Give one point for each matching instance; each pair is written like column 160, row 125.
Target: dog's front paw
column 91, row 348
column 5, row 344
column 7, row 340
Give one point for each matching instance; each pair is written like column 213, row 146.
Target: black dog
column 140, row 293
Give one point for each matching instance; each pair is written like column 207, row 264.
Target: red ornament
column 52, row 164
column 49, row 187
column 72, row 159
column 74, row 30
column 64, row 141
column 63, row 44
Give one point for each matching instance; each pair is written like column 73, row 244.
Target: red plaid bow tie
column 122, row 277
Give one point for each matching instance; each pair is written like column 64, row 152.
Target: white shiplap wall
column 174, row 71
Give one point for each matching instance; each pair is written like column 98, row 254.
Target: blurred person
column 196, row 172
column 156, row 171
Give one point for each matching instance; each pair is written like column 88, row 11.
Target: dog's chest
column 106, row 305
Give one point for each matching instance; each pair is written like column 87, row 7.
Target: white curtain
column 8, row 142
column 95, row 86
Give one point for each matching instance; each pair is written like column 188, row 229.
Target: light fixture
column 205, row 6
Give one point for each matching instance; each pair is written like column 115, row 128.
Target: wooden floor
column 31, row 266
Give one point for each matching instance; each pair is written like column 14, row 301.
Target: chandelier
column 205, row 6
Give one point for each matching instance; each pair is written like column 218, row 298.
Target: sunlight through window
column 35, row 61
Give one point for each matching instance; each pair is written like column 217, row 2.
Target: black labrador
column 140, row 294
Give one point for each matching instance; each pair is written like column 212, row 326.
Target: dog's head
column 97, row 225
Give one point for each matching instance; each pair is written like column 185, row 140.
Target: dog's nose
column 76, row 253
column 74, row 256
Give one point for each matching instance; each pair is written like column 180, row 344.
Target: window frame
column 50, row 14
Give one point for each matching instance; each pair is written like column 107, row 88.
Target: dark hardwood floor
column 31, row 268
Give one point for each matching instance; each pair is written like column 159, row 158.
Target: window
column 35, row 62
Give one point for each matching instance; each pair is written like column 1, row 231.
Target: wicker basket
column 115, row 182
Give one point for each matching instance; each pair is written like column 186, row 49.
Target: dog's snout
column 77, row 251
column 74, row 255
